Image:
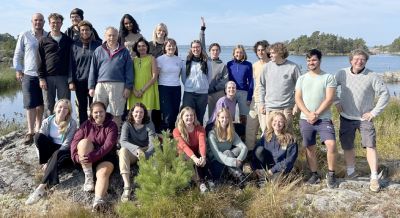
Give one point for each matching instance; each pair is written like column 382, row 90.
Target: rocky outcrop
column 391, row 77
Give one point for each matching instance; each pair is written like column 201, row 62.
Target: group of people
column 140, row 82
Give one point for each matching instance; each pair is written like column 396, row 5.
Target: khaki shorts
column 111, row 93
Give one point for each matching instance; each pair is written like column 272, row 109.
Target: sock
column 374, row 175
column 331, row 173
column 88, row 172
column 351, row 170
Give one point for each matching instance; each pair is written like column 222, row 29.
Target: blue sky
column 228, row 22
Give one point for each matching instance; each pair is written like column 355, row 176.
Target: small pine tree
column 163, row 174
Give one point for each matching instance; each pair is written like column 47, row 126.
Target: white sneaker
column 203, row 188
column 89, row 184
column 98, row 205
column 34, row 197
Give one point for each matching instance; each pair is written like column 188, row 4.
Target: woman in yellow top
column 145, row 83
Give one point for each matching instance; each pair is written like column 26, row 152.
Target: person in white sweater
column 356, row 105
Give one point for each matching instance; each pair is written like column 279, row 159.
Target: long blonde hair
column 285, row 138
column 180, row 124
column 63, row 125
column 224, row 134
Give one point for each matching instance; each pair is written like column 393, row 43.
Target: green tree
column 395, row 46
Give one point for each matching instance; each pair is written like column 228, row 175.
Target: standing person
column 146, row 74
column 357, row 108
column 76, row 16
column 277, row 84
column 129, row 33
column 196, row 80
column 191, row 138
column 111, row 74
column 315, row 92
column 276, row 152
column 81, row 56
column 256, row 119
column 137, row 135
column 25, row 63
column 226, row 149
column 94, row 148
column 240, row 71
column 170, row 67
column 160, row 35
column 53, row 144
column 54, row 53
column 218, row 74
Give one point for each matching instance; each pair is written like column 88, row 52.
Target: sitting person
column 228, row 101
column 53, row 142
column 226, row 149
column 137, row 135
column 191, row 139
column 276, row 152
column 94, row 148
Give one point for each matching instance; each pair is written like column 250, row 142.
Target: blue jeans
column 170, row 100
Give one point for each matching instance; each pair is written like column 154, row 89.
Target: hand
column 202, row 161
column 44, row 167
column 202, row 21
column 339, row 108
column 262, row 110
column 43, row 84
column 137, row 93
column 91, row 92
column 295, row 110
column 196, row 160
column 140, row 154
column 248, row 103
column 19, row 75
column 312, row 117
column 126, row 93
column 238, row 163
column 84, row 159
column 270, row 173
column 367, row 116
column 72, row 87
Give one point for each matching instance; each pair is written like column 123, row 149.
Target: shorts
column 347, row 133
column 241, row 97
column 31, row 91
column 111, row 93
column 309, row 131
column 110, row 157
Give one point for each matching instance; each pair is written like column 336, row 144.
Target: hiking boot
column 34, row 197
column 28, row 139
column 314, row 179
column 98, row 205
column 126, row 194
column 354, row 175
column 374, row 185
column 331, row 180
column 203, row 188
column 88, row 186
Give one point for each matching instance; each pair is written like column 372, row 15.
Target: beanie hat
column 77, row 11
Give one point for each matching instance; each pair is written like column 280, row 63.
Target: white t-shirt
column 54, row 134
column 170, row 70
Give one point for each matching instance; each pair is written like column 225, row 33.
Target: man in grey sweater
column 277, row 84
column 358, row 86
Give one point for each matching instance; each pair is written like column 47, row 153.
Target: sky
column 228, row 22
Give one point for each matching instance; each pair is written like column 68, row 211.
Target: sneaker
column 98, row 205
column 261, row 183
column 28, row 139
column 331, row 180
column 354, row 175
column 374, row 185
column 126, row 194
column 34, row 197
column 89, row 184
column 203, row 188
column 211, row 185
column 314, row 179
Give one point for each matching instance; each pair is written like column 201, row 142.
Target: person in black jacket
column 81, row 57
column 54, row 53
column 76, row 16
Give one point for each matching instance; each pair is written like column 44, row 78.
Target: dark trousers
column 218, row 169
column 170, row 99
column 45, row 146
column 83, row 97
column 56, row 86
column 196, row 101
column 261, row 159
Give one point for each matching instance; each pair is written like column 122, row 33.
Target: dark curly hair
column 146, row 118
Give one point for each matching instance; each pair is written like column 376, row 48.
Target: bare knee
column 85, row 146
column 104, row 170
